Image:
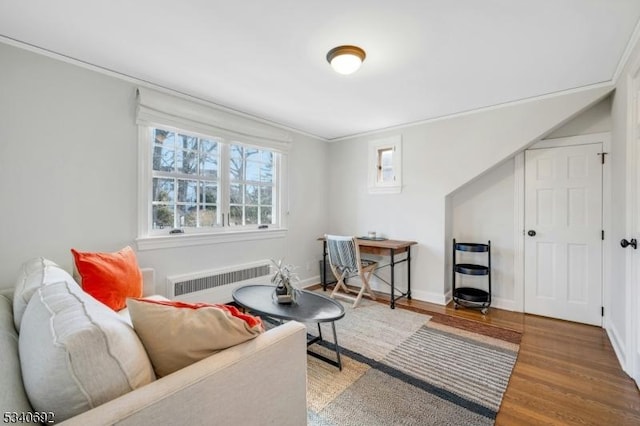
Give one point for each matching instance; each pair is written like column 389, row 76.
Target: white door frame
column 628, row 358
column 519, row 191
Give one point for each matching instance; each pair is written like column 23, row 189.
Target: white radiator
column 216, row 286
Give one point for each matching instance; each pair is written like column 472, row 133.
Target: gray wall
column 68, row 176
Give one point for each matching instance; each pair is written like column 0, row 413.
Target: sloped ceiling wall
column 438, row 157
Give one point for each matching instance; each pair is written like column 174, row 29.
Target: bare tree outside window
column 186, row 183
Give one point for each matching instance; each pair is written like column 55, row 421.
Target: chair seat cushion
column 12, row 395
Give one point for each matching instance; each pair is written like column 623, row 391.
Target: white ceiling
column 425, row 58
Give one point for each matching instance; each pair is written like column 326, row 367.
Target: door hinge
column 602, row 234
column 602, row 155
column 601, row 311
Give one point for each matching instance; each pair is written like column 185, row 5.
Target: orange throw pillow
column 177, row 334
column 110, row 277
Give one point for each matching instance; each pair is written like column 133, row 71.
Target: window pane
column 235, row 193
column 266, row 168
column 209, row 158
column 163, row 189
column 236, row 162
column 385, row 165
column 252, row 195
column 235, row 215
column 209, row 193
column 253, row 171
column 208, row 216
column 387, row 174
column 265, row 215
column 386, row 158
column 187, row 162
column 187, row 191
column 188, row 142
column 251, row 215
column 266, row 195
column 162, row 216
column 187, row 215
column 164, row 150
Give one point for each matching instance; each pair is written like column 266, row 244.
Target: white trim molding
column 186, row 240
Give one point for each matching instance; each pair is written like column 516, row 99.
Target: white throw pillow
column 34, row 273
column 76, row 353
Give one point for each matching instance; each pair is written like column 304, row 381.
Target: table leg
column 392, row 253
column 338, row 361
column 335, row 339
column 324, row 265
column 409, row 273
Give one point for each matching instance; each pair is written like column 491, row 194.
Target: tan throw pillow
column 177, row 334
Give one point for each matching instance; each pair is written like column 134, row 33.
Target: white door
column 563, row 233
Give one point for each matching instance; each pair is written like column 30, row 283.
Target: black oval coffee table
column 308, row 307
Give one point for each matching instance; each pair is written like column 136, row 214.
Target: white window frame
column 376, row 148
column 223, row 126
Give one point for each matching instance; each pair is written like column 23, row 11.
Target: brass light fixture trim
column 355, row 56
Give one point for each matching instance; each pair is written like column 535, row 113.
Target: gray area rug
column 401, row 369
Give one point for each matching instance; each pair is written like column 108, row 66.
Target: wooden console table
column 390, row 248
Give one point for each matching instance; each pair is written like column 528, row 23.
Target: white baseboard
column 618, row 346
column 506, row 304
column 431, row 297
column 308, row 282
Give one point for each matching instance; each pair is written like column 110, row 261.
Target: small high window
column 385, row 163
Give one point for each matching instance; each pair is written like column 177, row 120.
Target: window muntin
column 205, row 184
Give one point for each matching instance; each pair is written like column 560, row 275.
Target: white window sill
column 187, row 240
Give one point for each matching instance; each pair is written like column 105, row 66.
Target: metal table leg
column 338, row 361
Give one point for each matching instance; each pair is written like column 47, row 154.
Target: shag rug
column 405, row 368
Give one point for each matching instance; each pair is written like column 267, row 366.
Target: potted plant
column 283, row 279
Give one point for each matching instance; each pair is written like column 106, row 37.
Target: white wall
column 619, row 318
column 68, row 175
column 438, row 157
column 484, row 209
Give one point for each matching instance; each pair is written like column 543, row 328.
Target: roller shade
column 162, row 110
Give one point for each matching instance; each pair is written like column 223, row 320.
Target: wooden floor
column 566, row 373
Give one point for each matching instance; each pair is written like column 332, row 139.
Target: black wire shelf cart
column 468, row 296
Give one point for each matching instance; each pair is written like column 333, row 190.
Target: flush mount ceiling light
column 346, row 59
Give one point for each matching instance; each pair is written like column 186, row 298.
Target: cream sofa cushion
column 12, row 394
column 33, row 274
column 76, row 353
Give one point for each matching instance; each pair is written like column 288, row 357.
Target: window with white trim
column 206, row 174
column 210, row 184
column 385, row 165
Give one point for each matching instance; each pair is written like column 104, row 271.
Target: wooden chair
column 345, row 262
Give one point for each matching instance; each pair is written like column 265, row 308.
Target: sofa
column 101, row 375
